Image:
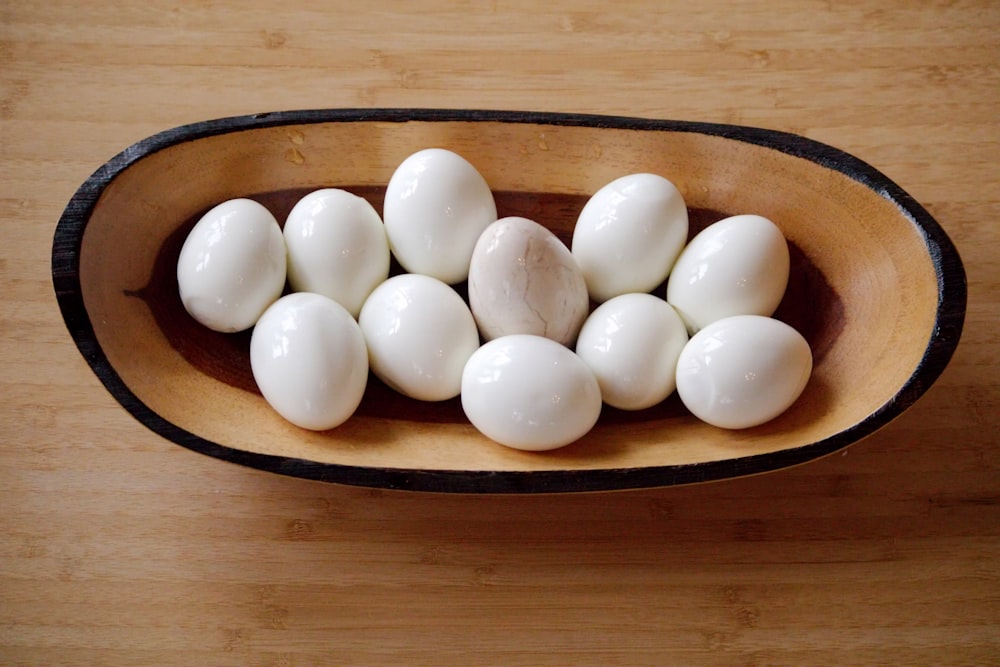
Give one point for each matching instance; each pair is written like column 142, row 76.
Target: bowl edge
column 950, row 312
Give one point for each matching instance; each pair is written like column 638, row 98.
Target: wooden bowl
column 876, row 287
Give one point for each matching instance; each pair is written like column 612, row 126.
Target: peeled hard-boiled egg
column 529, row 392
column 336, row 247
column 309, row 360
column 419, row 334
column 436, row 206
column 736, row 266
column 742, row 371
column 232, row 265
column 632, row 342
column 629, row 234
column 523, row 280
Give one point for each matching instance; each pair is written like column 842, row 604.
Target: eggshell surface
column 336, row 247
column 436, row 206
column 524, row 280
column 419, row 334
column 743, row 371
column 232, row 265
column 736, row 266
column 632, row 342
column 629, row 234
column 529, row 392
column 309, row 360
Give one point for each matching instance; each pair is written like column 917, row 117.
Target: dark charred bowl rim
column 950, row 313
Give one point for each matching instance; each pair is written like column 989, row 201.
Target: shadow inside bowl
column 810, row 305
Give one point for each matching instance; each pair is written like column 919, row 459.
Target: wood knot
column 747, row 617
column 485, row 574
column 273, row 40
column 761, row 58
column 298, row 530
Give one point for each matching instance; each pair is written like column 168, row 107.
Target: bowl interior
column 863, row 288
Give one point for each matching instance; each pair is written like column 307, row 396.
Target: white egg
column 419, row 333
column 736, row 266
column 436, row 206
column 632, row 342
column 742, row 371
column 629, row 234
column 336, row 247
column 232, row 265
column 530, row 392
column 523, row 279
column 309, row 360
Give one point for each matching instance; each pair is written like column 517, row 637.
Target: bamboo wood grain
column 120, row 548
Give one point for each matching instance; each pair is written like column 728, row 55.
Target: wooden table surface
column 118, row 547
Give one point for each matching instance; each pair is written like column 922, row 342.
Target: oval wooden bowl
column 876, row 287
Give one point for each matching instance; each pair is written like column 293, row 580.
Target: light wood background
column 120, row 548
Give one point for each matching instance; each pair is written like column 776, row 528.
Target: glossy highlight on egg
column 419, row 334
column 232, row 266
column 436, row 206
column 743, row 371
column 529, row 392
column 309, row 360
column 632, row 342
column 336, row 246
column 736, row 266
column 629, row 235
